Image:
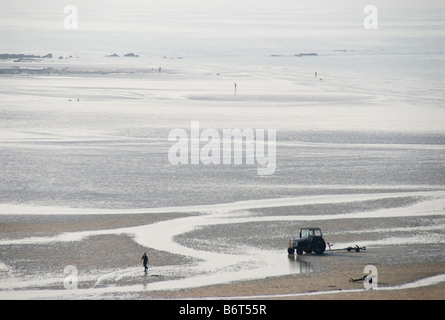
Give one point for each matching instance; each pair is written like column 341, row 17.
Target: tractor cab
column 309, row 233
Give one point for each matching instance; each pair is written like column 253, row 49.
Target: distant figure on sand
column 315, row 74
column 144, row 259
column 234, row 86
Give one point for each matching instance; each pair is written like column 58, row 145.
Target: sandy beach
column 334, row 285
column 107, row 261
column 206, row 134
column 97, row 194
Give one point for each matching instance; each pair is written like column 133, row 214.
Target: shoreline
column 107, row 256
column 396, row 282
column 334, row 285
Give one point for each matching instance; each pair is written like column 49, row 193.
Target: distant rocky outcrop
column 131, row 54
column 6, row 56
column 306, row 54
column 115, row 55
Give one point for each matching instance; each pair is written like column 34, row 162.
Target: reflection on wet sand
column 298, row 264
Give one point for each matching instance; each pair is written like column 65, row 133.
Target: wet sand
column 22, row 225
column 109, row 260
column 335, row 281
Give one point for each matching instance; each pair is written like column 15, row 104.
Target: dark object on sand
column 360, row 279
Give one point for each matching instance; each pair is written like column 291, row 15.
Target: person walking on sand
column 144, row 259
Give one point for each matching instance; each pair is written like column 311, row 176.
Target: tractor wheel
column 291, row 251
column 299, row 250
column 319, row 246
